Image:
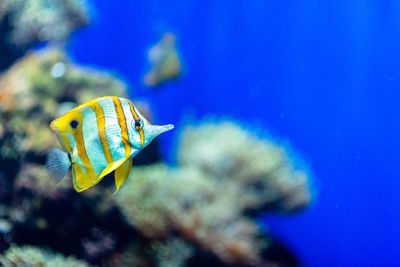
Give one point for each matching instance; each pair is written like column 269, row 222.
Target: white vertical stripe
column 75, row 155
column 128, row 116
column 112, row 128
column 134, row 137
column 91, row 138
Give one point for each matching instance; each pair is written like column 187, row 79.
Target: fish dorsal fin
column 122, row 172
column 110, row 168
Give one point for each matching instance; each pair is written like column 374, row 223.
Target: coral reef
column 186, row 201
column 25, row 22
column 220, row 177
column 200, row 212
column 29, row 256
column 264, row 169
column 172, row 252
column 165, row 61
column 32, row 93
column 33, row 208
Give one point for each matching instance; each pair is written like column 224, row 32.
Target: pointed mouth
column 162, row 129
column 151, row 132
column 156, row 130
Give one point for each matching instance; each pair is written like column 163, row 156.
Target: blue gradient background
column 324, row 74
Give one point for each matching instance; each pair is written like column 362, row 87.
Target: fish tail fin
column 57, row 163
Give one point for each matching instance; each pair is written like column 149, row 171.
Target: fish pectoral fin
column 57, row 163
column 122, row 173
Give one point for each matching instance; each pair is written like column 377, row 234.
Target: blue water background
column 324, row 74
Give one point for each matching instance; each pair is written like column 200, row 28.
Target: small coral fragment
column 165, row 61
column 171, row 253
column 30, row 256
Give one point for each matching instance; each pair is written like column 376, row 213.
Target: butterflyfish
column 99, row 137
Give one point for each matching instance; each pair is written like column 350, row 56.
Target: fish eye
column 138, row 125
column 74, row 124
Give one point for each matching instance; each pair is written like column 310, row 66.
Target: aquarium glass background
column 321, row 76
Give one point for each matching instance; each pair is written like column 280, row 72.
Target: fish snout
column 159, row 129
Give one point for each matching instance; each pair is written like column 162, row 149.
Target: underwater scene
column 199, row 133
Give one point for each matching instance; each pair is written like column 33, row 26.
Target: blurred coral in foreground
column 25, row 22
column 29, row 256
column 165, row 61
column 223, row 172
column 35, row 90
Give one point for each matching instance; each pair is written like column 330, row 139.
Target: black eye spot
column 74, row 124
column 138, row 124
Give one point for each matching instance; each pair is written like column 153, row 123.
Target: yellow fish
column 99, row 137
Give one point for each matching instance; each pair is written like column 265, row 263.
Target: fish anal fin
column 122, row 173
column 110, row 168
